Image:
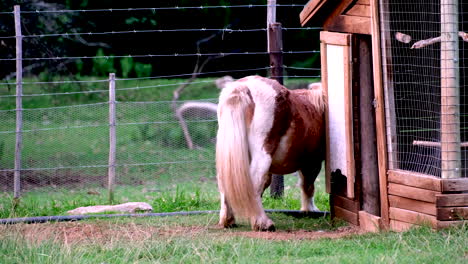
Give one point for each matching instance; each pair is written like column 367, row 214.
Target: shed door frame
column 328, row 40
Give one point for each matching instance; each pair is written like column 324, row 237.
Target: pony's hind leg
column 226, row 216
column 261, row 178
column 308, row 176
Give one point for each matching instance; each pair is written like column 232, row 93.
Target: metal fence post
column 112, row 137
column 19, row 104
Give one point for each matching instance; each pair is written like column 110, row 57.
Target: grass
column 194, row 239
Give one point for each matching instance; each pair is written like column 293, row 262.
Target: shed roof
column 349, row 16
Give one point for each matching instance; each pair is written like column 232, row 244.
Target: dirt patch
column 304, row 234
column 104, row 233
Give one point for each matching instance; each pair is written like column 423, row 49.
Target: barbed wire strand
column 152, row 8
column 224, row 30
column 218, row 54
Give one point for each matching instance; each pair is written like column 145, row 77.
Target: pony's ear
column 316, row 85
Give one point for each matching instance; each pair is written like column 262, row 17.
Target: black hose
column 66, row 218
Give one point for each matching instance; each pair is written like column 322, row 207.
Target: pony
column 265, row 129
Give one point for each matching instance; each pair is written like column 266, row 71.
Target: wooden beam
column 379, row 112
column 449, row 200
column 412, row 192
column 349, row 24
column 434, row 144
column 452, row 213
column 454, row 185
column 414, row 179
column 412, row 217
column 369, row 222
column 412, row 205
column 345, row 203
column 447, row 224
column 346, row 215
column 334, row 38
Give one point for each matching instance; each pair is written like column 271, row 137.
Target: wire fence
column 424, row 63
column 66, row 125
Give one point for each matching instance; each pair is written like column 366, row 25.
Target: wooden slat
column 455, row 185
column 359, row 10
column 346, row 215
column 379, row 112
column 412, row 217
column 451, row 200
column 350, row 24
column 446, row 224
column 412, row 192
column 351, row 165
column 346, row 203
column 324, row 71
column 334, row 38
column 412, row 205
column 369, row 222
column 415, row 180
column 452, row 213
column 363, row 2
column 399, row 226
column 310, row 10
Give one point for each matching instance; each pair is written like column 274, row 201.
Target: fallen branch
column 426, row 42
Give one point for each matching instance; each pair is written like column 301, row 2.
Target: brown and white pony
column 265, row 129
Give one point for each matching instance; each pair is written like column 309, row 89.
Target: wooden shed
column 397, row 123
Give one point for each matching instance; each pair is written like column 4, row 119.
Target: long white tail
column 232, row 151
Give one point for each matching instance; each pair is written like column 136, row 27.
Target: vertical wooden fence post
column 275, row 49
column 112, row 137
column 19, row 104
column 450, row 90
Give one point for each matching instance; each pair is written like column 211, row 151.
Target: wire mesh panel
column 415, row 77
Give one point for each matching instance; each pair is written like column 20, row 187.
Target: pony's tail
column 317, row 97
column 232, row 151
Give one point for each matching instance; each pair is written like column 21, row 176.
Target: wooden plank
column 412, row 205
column 368, row 139
column 346, row 203
column 447, row 224
column 349, row 24
column 310, row 10
column 452, row 213
column 450, row 200
column 387, row 79
column 369, row 222
column 334, row 38
column 359, row 10
column 412, row 192
column 414, row 179
column 324, row 72
column 346, row 215
column 412, row 217
column 455, row 185
column 363, row 2
column 350, row 170
column 399, row 226
column 379, row 113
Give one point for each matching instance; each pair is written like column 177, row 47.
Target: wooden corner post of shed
column 450, row 90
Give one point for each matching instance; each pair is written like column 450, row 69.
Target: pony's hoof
column 269, row 226
column 227, row 224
